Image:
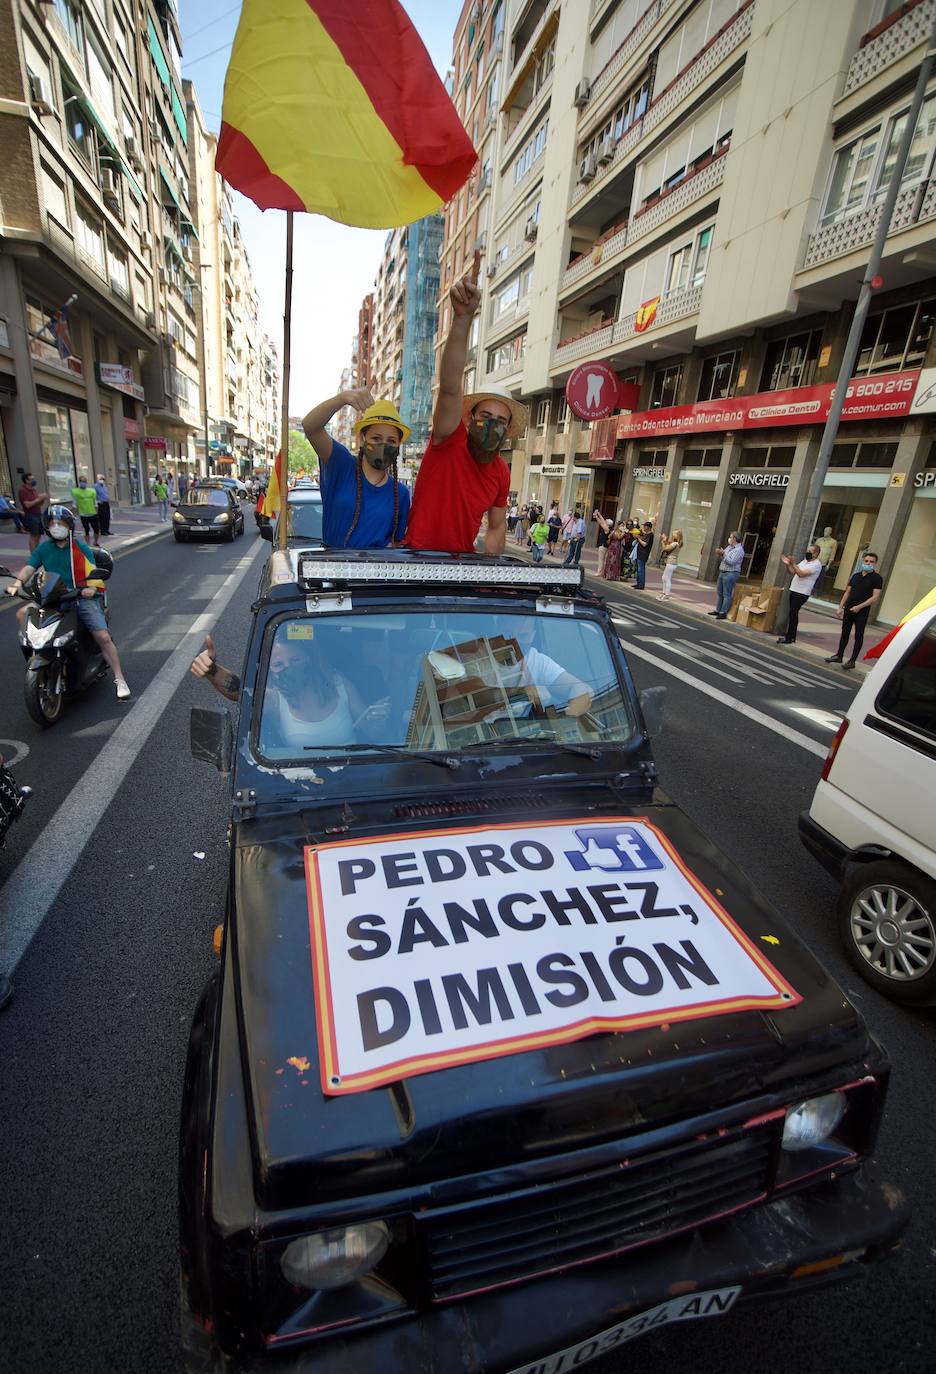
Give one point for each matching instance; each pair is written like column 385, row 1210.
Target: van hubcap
column 893, row 932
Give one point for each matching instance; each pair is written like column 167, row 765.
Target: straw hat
column 382, row 412
column 518, row 413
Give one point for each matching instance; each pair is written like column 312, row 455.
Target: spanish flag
column 334, row 107
column 84, row 569
column 646, row 314
column 271, row 502
column 928, row 601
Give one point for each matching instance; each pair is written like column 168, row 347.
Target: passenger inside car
column 307, row 703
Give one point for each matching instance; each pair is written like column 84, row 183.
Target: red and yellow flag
column 272, row 500
column 924, row 605
column 334, row 106
column 84, row 569
column 646, row 314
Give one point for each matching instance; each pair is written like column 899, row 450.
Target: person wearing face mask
column 84, row 499
column 805, row 577
column 462, row 476
column 864, row 588
column 55, row 555
column 364, row 504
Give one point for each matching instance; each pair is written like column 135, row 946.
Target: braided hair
column 359, row 491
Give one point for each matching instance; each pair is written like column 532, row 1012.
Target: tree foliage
column 301, row 453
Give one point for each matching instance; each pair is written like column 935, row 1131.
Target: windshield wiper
column 391, row 750
column 544, row 737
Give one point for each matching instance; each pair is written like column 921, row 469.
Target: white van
column 872, row 822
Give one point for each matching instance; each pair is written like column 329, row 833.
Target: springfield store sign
column 891, row 395
column 444, row 947
column 759, row 480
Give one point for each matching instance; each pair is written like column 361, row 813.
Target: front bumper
column 764, row 1250
column 823, row 846
column 200, row 531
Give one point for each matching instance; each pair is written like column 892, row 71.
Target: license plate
column 714, row 1302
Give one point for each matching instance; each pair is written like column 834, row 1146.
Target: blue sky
column 334, row 265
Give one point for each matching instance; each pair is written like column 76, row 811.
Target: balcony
column 678, row 305
column 600, row 254
column 715, row 52
column 891, row 40
column 505, row 370
column 857, row 231
column 516, row 310
column 631, row 43
column 700, row 183
column 593, row 340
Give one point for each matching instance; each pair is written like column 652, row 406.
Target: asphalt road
column 92, row 1047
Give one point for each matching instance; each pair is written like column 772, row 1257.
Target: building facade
column 689, row 196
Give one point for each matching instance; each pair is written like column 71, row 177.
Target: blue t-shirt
column 374, row 527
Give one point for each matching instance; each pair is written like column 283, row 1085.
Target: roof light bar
column 314, row 570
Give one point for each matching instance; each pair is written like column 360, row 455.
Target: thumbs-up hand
column 204, row 662
column 465, row 295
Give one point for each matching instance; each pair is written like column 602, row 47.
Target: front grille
column 472, row 806
column 558, row 1224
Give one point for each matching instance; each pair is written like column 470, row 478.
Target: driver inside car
column 545, row 681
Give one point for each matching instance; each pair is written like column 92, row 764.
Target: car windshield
column 305, row 520
column 438, row 681
column 207, row 496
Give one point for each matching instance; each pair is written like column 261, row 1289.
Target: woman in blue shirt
column 364, row 504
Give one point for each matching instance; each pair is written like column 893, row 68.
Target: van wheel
column 887, row 919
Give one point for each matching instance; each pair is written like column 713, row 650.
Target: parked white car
column 872, row 822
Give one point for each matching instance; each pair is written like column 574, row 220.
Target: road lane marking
column 825, row 720
column 32, row 888
column 689, row 653
column 803, row 675
column 751, row 712
column 13, row 751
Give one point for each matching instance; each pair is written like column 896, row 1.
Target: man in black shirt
column 864, row 588
column 644, row 545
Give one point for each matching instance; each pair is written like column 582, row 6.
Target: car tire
column 179, row 538
column 874, row 904
column 200, row 1355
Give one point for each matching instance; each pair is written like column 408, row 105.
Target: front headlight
column 177, row 515
column 38, row 636
column 810, row 1123
column 330, row 1259
column 222, row 519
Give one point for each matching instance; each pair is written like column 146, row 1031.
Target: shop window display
column 914, row 569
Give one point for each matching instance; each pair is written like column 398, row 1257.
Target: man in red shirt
column 462, row 476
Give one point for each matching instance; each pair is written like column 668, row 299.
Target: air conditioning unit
column 530, row 230
column 39, row 95
column 108, row 184
column 134, row 156
column 582, row 93
column 480, row 241
column 162, row 276
column 588, row 168
column 606, row 151
column 146, row 242
column 155, row 130
column 485, row 180
column 492, row 268
column 151, row 319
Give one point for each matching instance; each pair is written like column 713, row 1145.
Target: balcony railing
column 676, row 306
column 601, row 251
column 712, row 56
column 620, row 58
column 856, row 231
column 594, row 340
column 509, row 315
column 889, row 44
column 526, row 121
column 505, row 370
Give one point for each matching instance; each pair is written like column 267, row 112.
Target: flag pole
column 284, row 436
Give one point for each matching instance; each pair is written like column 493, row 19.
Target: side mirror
column 652, row 704
column 211, row 738
column 266, row 531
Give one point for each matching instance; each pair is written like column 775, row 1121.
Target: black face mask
column 380, row 455
column 485, row 437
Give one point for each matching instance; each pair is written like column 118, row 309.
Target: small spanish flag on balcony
column 646, row 314
column 334, row 107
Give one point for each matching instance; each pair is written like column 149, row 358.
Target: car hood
column 194, row 511
column 312, row 1148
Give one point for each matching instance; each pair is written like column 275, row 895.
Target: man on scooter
column 55, row 556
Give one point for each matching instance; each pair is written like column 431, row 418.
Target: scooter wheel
column 43, row 705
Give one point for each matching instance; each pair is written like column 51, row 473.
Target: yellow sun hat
column 382, row 412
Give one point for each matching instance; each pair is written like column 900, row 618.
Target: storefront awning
column 167, row 186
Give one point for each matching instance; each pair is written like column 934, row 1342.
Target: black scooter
column 62, row 657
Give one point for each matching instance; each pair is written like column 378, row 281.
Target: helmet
column 103, row 563
column 382, row 413
column 58, row 515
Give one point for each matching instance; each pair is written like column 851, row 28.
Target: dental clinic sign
column 444, row 947
column 593, row 391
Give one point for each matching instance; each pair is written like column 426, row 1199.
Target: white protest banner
column 441, row 947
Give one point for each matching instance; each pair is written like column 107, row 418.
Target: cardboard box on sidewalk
column 756, row 610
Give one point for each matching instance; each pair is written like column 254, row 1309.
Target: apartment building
column 474, row 83
column 341, row 427
column 690, row 196
column 363, row 365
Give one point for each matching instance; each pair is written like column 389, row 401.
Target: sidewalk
column 129, row 526
column 817, row 636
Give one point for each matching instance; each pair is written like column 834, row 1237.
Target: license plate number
column 714, row 1302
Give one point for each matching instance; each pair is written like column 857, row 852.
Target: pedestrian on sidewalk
column 729, row 570
column 161, row 492
column 576, row 536
column 512, row 517
column 32, row 502
column 103, row 503
column 183, row 486
column 805, row 577
column 864, row 588
column 671, row 546
column 614, row 545
column 539, row 533
column 642, row 553
column 84, row 499
column 9, row 512
column 554, row 521
column 523, row 516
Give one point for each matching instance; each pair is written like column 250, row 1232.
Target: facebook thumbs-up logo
column 613, row 849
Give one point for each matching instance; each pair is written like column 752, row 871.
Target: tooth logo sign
column 595, row 382
column 613, row 849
